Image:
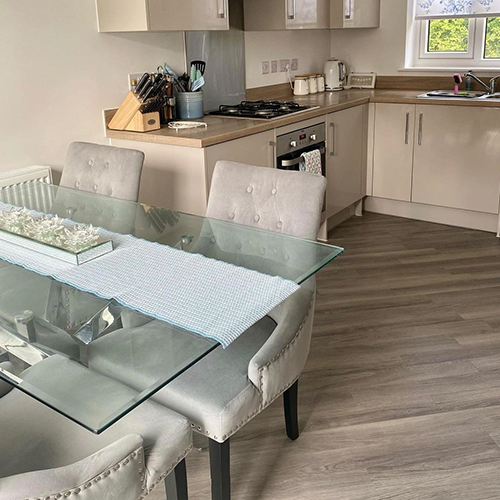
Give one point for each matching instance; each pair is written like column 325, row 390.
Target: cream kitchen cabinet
column 393, row 151
column 346, row 158
column 270, row 15
column 456, row 159
column 179, row 177
column 354, row 13
column 162, row 15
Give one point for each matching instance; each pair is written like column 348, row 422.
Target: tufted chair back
column 104, row 170
column 267, row 198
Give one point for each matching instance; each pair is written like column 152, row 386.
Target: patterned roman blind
column 438, row 9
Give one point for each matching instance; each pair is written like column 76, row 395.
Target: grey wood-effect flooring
column 400, row 398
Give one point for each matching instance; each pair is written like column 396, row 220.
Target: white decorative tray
column 51, row 236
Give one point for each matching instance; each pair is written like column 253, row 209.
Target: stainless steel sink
column 446, row 94
column 494, row 97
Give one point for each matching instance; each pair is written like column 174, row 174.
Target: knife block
column 129, row 116
column 144, row 122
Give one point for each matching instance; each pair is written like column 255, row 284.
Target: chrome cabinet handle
column 332, row 148
column 348, row 9
column 420, row 127
column 222, row 12
column 407, row 129
column 292, row 10
column 272, row 148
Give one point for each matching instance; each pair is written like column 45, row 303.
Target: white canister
column 320, row 79
column 301, row 86
column 313, row 84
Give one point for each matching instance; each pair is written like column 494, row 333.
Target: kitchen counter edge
column 222, row 130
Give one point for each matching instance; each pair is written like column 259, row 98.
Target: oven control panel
column 300, row 139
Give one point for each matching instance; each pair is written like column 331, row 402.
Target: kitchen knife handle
column 332, row 148
column 420, row 128
column 407, row 128
column 292, row 10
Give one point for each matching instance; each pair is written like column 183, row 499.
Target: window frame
column 417, row 56
column 424, row 43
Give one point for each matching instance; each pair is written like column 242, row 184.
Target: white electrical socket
column 134, row 76
column 295, row 65
column 265, row 67
column 284, row 65
column 274, row 66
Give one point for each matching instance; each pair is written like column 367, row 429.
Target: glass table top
column 65, row 347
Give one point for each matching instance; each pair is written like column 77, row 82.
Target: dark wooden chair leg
column 220, row 469
column 176, row 485
column 290, row 401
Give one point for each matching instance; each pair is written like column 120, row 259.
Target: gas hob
column 261, row 110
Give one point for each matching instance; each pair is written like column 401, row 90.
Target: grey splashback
column 224, row 53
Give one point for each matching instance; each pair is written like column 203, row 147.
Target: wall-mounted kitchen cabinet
column 354, row 13
column 271, row 15
column 162, row 15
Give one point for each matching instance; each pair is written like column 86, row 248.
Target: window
column 446, row 40
column 451, row 33
column 492, row 39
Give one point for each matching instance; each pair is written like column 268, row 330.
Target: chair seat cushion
column 216, row 394
column 35, row 437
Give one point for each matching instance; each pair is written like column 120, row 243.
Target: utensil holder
column 189, row 105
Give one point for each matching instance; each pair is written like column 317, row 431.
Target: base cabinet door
column 258, row 150
column 457, row 157
column 346, row 158
column 393, row 151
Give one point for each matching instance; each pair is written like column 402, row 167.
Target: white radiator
column 39, row 197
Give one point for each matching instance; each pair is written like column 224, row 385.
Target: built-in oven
column 291, row 146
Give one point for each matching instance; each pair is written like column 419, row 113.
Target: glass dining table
column 50, row 331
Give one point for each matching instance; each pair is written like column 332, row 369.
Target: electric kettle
column 335, row 75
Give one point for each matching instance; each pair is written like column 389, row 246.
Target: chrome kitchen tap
column 490, row 88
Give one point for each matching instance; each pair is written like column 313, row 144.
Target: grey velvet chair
column 105, row 170
column 229, row 387
column 44, row 455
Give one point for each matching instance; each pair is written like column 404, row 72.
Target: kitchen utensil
column 199, row 82
column 168, row 69
column 335, row 75
column 144, row 78
column 192, row 77
column 145, row 89
column 200, row 66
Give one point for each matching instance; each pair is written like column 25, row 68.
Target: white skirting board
column 441, row 215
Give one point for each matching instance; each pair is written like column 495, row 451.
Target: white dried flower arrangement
column 48, row 229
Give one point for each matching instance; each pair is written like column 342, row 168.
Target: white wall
column 310, row 47
column 59, row 73
column 381, row 50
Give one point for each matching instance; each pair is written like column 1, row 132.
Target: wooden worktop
column 226, row 129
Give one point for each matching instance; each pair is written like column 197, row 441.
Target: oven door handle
column 291, row 163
